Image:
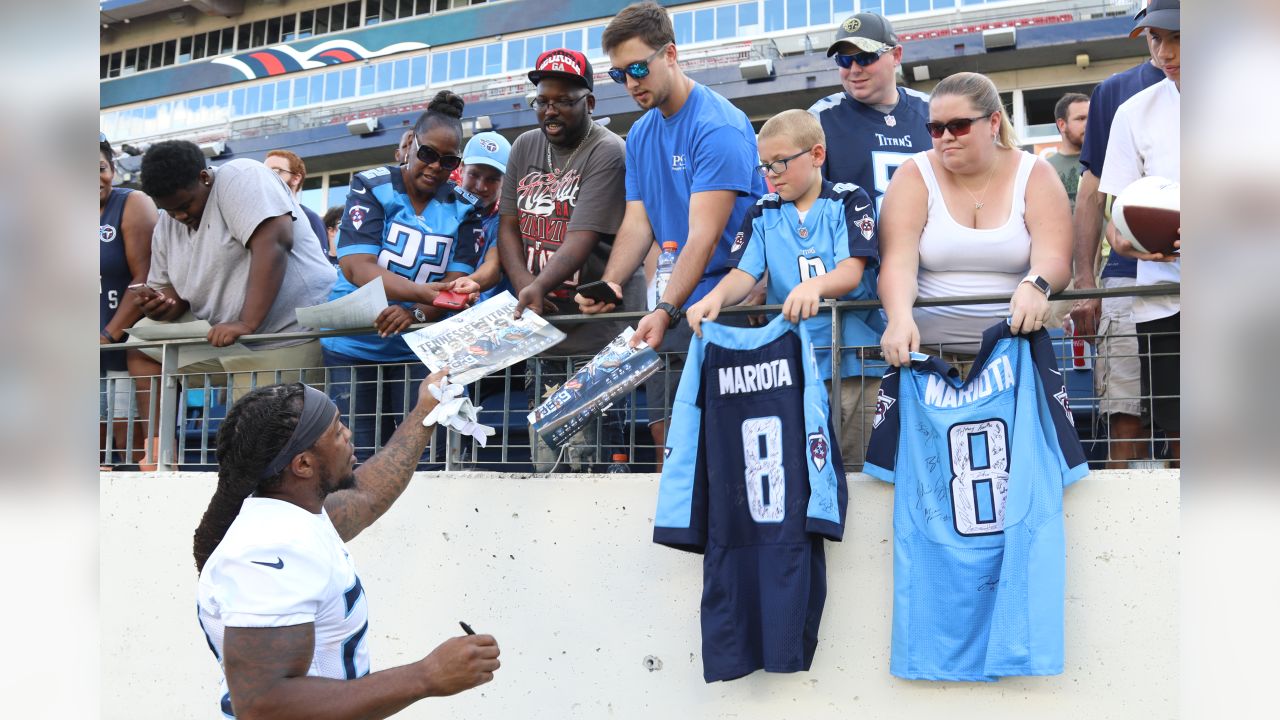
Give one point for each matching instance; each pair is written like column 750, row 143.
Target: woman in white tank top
column 973, row 216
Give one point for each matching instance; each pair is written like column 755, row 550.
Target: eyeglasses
column 283, row 171
column 429, row 155
column 777, row 167
column 540, row 104
column 637, row 70
column 958, row 127
column 862, row 59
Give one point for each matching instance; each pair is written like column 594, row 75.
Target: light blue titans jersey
column 978, row 550
column 379, row 220
column 754, row 482
column 707, row 145
column 840, row 225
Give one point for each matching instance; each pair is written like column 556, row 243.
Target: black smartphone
column 600, row 291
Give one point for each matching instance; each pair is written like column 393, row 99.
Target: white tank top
column 957, row 260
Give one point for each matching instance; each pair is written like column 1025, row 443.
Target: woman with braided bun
column 279, row 599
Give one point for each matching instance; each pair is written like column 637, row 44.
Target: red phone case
column 450, row 300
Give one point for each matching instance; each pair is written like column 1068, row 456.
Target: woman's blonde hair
column 982, row 94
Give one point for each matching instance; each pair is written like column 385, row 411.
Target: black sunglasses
column 862, row 59
column 958, row 127
column 777, row 167
column 637, row 70
column 429, row 155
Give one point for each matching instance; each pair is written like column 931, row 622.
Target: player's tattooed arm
column 382, row 479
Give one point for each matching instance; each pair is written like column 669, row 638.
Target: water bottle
column 619, row 464
column 666, row 263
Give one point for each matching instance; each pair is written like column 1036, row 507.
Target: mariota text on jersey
column 754, row 378
column 997, row 376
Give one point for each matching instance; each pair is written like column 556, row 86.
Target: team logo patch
column 883, row 403
column 107, row 233
column 852, row 24
column 867, row 226
column 1061, row 397
column 818, row 449
column 357, row 214
column 666, row 452
column 738, row 242
column 488, row 145
column 890, row 120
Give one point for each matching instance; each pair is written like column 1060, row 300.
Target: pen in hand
column 466, row 628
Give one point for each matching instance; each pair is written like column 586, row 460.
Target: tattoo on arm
column 381, row 479
column 256, row 660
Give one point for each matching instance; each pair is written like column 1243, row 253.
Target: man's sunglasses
column 861, row 59
column 637, row 70
column 429, row 155
column 958, row 127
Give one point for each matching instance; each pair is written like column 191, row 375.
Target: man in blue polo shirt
column 690, row 179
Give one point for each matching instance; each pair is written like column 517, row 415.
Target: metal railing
column 181, row 412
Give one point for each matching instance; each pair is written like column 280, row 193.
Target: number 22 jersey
column 753, row 482
column 978, row 468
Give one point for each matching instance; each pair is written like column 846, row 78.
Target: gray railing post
column 834, row 399
column 166, row 456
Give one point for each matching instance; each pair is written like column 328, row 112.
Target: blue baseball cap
column 487, row 148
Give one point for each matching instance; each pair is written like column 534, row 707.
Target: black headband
column 318, row 412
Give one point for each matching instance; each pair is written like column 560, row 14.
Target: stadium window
column 142, row 56
column 406, row 9
column 339, row 186
column 918, row 5
column 273, row 31
column 258, row 34
column 704, row 25
column 475, row 61
column 237, row 102
column 282, row 94
column 386, row 72
column 875, row 6
column 306, row 20
column 331, row 82
column 288, row 28
column 820, row 12
column 399, row 74
column 493, row 58
column 973, row 2
column 347, row 84
column 312, row 194
column 222, row 103
column 439, row 69
column 442, row 5
column 228, row 41
column 895, row 7
column 368, row 80
column 198, row 45
column 594, row 33
column 515, row 55
column 749, row 16
column 683, row 23
column 320, row 24
column 170, row 53
column 184, row 49
column 843, row 8
column 797, row 13
column 315, row 90
column 573, row 39
column 551, row 41
column 372, row 11
column 532, row 49
column 251, row 99
column 941, row 4
column 774, row 15
column 300, row 92
column 130, row 62
column 243, row 37
column 457, row 64
column 104, row 65
column 114, row 70
column 418, row 72
column 726, row 22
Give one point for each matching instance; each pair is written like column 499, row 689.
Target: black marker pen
column 466, row 628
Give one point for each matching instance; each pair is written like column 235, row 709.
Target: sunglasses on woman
column 861, row 59
column 958, row 127
column 637, row 70
column 428, row 155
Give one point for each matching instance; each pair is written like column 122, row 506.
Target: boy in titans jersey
column 755, row 491
column 978, row 468
column 815, row 240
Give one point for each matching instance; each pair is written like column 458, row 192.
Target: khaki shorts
column 857, row 409
column 1117, row 374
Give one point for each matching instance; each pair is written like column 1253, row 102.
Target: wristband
column 110, row 339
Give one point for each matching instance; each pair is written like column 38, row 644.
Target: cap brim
column 537, row 76
column 861, row 44
column 1160, row 19
column 482, row 160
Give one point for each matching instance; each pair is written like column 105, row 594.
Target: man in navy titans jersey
column 756, row 491
column 978, row 467
column 872, row 125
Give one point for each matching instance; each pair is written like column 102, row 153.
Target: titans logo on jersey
column 838, row 226
column 755, row 491
column 978, row 467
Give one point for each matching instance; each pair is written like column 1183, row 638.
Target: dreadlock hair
column 255, row 430
column 444, row 109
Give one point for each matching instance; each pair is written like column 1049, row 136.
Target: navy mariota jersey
column 753, row 481
column 978, row 550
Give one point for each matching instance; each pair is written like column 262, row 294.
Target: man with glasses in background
column 292, row 171
column 690, row 179
column 872, row 125
column 559, row 215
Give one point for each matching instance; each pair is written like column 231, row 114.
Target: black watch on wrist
column 419, row 315
column 671, row 310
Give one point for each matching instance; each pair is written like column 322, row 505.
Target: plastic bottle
column 666, row 263
column 619, row 464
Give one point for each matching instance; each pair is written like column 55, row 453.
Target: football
column 1148, row 214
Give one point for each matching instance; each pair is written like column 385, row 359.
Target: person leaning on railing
column 973, row 216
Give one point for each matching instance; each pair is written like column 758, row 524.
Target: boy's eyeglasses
column 428, row 155
column 958, row 127
column 777, row 167
column 637, row 70
column 861, row 59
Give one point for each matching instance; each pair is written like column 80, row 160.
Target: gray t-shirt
column 209, row 267
column 1068, row 167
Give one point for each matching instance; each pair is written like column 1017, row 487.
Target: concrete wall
column 563, row 573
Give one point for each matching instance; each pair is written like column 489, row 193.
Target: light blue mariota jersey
column 979, row 467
